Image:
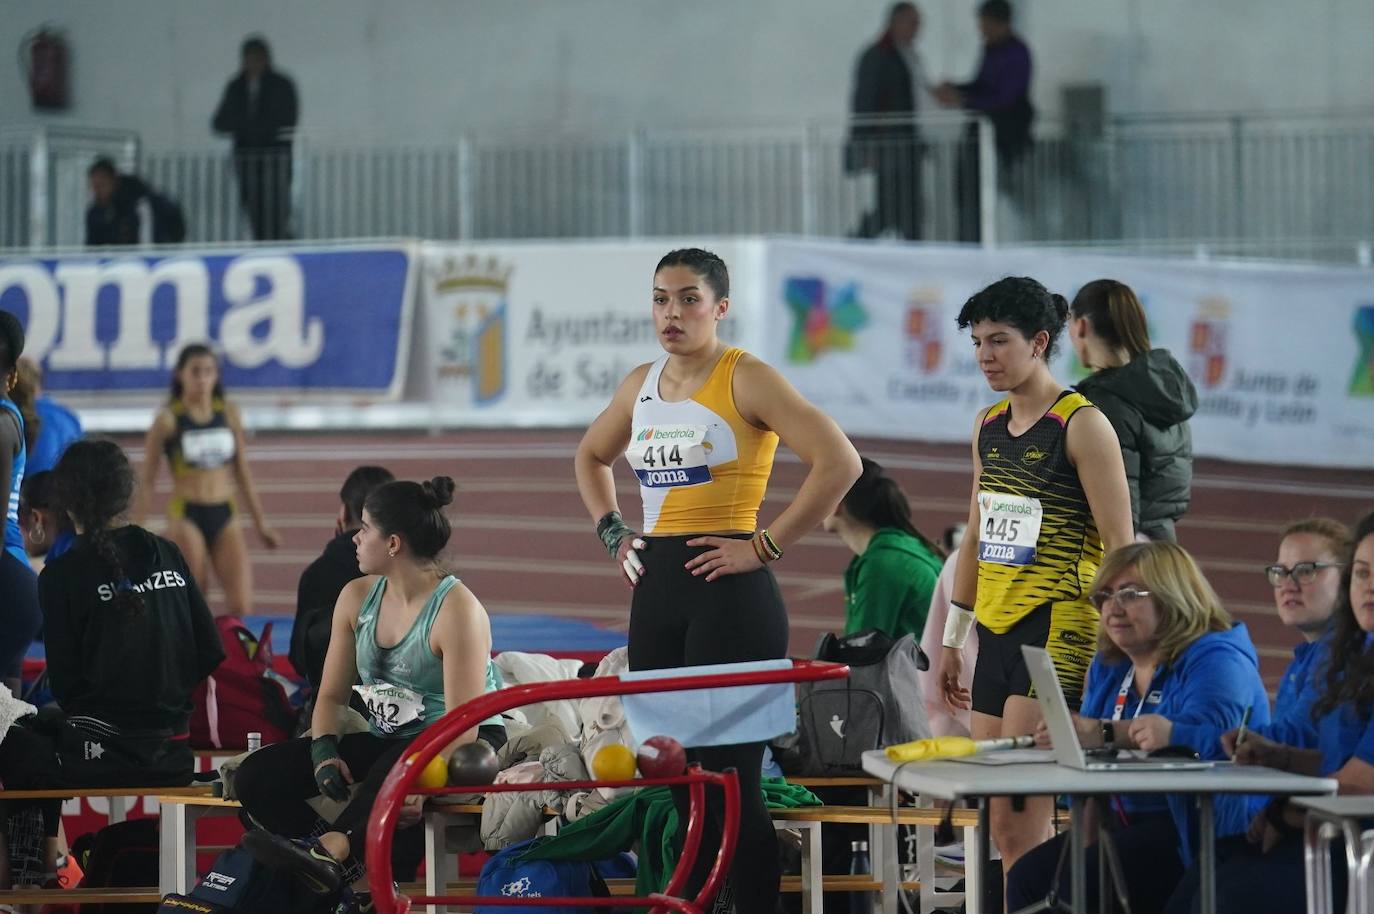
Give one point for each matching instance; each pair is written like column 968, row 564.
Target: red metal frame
column 400, row 783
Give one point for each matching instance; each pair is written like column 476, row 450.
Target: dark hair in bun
column 414, row 511
column 1022, row 302
column 439, row 491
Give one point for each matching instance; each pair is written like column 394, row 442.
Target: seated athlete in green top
column 420, row 642
column 889, row 581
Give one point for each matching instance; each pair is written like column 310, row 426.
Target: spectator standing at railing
column 259, row 109
column 1001, row 93
column 883, row 138
column 125, row 210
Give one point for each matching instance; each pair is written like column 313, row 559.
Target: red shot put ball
column 661, row 757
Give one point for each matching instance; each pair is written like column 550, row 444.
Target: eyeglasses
column 1124, row 597
column 1302, row 572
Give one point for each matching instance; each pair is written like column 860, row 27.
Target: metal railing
column 1295, row 185
column 43, row 186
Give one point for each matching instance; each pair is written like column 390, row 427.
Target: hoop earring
column 392, row 553
column 36, row 535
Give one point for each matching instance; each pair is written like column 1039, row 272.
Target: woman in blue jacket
column 1264, row 870
column 1170, row 667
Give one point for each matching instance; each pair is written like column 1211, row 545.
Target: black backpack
column 122, row 855
column 238, row 884
column 878, row 705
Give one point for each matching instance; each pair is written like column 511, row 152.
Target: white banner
column 543, row 333
column 1283, row 357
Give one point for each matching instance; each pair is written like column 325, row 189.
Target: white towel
column 713, row 717
column 11, row 709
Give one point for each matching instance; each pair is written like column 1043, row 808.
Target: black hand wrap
column 612, row 529
column 328, row 777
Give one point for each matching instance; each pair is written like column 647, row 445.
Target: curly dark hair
column 1023, row 303
column 1350, row 668
column 94, row 485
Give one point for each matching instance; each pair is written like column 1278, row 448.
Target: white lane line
column 345, row 452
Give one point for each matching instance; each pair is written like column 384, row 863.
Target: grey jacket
column 1149, row 401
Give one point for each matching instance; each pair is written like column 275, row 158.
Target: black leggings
column 274, row 783
column 20, row 620
column 677, row 620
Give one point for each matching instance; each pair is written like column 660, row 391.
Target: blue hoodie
column 1208, row 686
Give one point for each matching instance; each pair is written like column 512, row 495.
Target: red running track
column 524, row 544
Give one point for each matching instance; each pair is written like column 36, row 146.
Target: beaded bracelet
column 771, row 546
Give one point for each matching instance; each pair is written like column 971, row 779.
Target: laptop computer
column 1067, row 750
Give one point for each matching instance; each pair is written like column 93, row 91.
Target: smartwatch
column 1108, row 734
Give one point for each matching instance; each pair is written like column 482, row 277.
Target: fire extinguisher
column 44, row 57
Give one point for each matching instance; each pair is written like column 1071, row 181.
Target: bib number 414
column 663, row 456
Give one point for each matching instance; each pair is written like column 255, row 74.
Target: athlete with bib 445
column 1049, row 493
column 699, row 427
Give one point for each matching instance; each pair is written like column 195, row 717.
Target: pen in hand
column 1240, row 732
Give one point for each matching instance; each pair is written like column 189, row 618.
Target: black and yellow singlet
column 1037, row 541
column 200, row 446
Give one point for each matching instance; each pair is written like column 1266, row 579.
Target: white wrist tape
column 957, row 626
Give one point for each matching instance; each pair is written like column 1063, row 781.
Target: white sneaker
column 950, row 854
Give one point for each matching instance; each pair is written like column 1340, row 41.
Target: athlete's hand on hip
column 627, row 556
column 956, row 696
column 726, row 556
column 270, row 538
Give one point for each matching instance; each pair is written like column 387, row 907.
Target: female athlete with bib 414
column 1049, row 493
column 699, row 426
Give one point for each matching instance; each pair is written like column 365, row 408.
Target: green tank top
column 403, row 686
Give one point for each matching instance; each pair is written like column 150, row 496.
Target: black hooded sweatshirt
column 1149, row 401
column 136, row 667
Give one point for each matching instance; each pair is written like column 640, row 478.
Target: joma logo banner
column 317, row 320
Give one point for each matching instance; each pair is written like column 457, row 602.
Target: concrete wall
column 426, row 68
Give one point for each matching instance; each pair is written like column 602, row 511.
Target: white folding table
column 1327, row 819
column 950, row 780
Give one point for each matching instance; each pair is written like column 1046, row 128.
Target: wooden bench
column 883, row 839
column 119, row 798
column 178, row 847
column 116, row 796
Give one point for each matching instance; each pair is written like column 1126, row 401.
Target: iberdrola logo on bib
column 664, row 434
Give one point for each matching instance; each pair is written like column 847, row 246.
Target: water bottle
column 859, row 865
column 254, row 741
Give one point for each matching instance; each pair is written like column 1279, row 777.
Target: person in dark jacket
column 1146, row 395
column 889, row 582
column 128, row 638
column 259, row 109
column 885, row 87
column 325, row 578
column 114, row 214
column 1000, row 92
